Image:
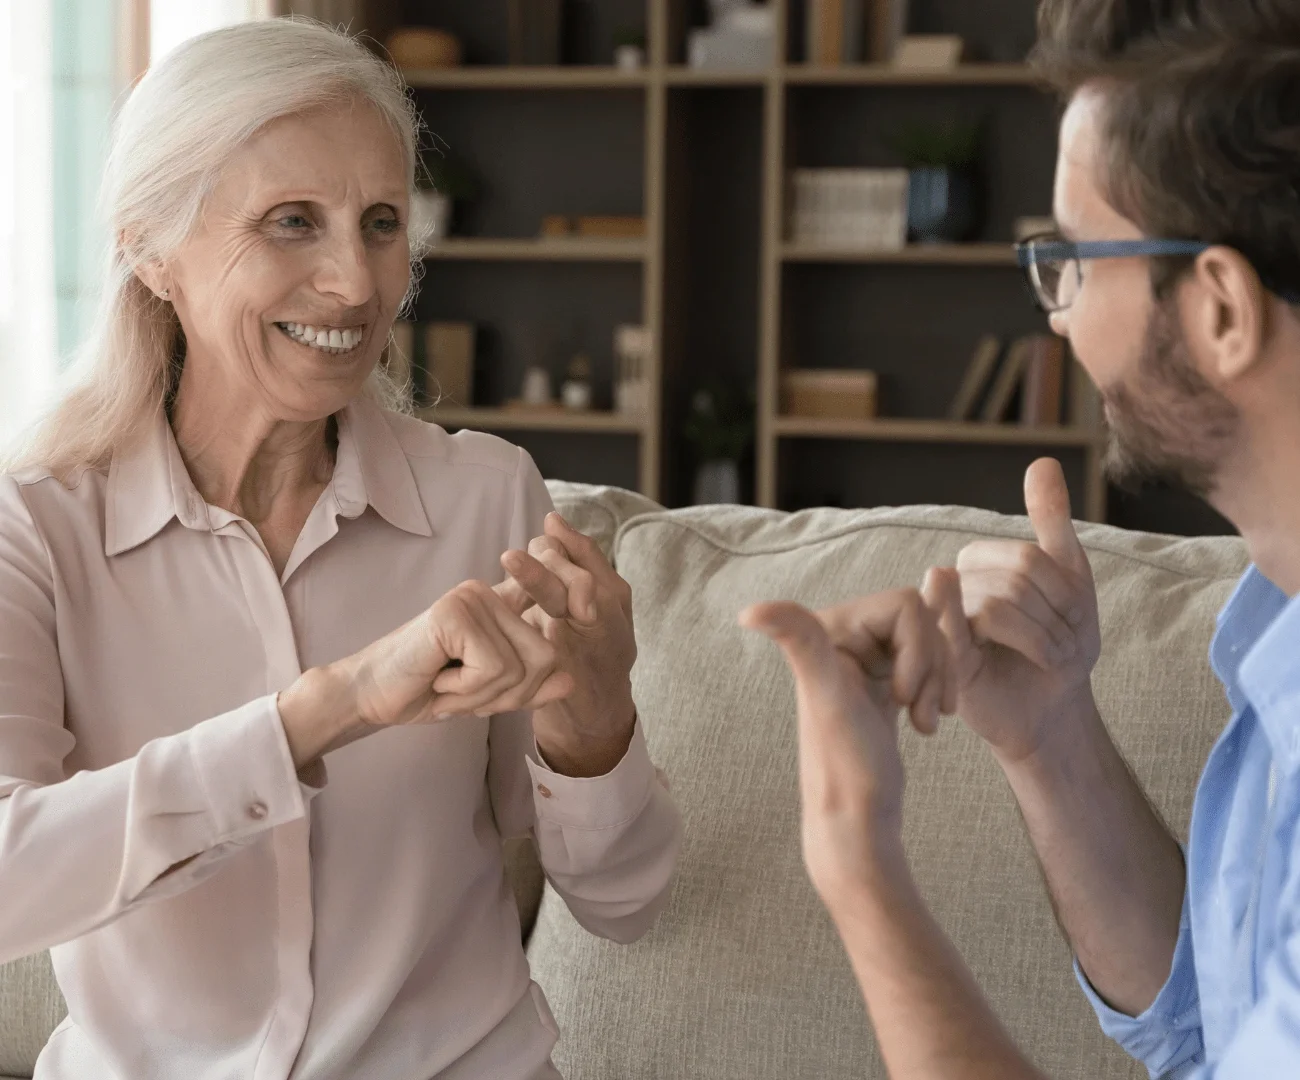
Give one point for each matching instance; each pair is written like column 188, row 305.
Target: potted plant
column 445, row 186
column 943, row 204
column 720, row 427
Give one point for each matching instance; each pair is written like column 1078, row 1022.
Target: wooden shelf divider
column 483, row 419
column 913, row 254
column 888, row 75
column 487, row 77
column 541, row 249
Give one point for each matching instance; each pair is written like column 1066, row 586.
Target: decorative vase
column 717, row 483
column 430, row 216
column 941, row 205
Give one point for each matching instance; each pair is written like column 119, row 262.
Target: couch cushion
column 743, row 976
column 30, row 1008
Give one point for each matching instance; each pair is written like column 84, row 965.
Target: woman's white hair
column 171, row 140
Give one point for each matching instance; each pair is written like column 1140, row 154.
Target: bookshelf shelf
column 546, row 249
column 913, row 255
column 934, row 431
column 526, row 78
column 887, row 75
column 685, row 76
column 594, row 422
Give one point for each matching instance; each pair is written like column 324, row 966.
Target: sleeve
column 1167, row 1037
column 608, row 844
column 90, row 847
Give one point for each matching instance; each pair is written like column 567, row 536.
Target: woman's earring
column 166, row 294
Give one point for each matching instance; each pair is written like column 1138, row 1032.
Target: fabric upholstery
column 30, row 1008
column 743, row 976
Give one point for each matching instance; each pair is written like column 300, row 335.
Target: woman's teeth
column 334, row 341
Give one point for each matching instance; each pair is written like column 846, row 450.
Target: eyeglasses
column 1054, row 266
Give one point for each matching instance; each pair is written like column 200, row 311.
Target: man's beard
column 1168, row 424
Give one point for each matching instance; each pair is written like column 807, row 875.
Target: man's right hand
column 1025, row 649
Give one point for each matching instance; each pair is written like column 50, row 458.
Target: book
column 399, row 355
column 1085, row 402
column 449, row 362
column 1008, row 380
column 887, row 25
column 825, row 45
column 979, row 371
column 1041, row 400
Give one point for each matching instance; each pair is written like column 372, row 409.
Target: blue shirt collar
column 1256, row 655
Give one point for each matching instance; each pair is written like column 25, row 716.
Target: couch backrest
column 743, row 977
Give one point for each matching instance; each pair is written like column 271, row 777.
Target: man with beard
column 1176, row 278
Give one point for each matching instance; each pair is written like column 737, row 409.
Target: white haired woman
column 202, row 549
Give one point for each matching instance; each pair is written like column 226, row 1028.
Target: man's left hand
column 584, row 609
column 855, row 666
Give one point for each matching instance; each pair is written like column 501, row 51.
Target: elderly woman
column 204, row 552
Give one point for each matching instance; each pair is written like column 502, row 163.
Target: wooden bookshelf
column 543, row 249
column 593, row 421
column 725, row 294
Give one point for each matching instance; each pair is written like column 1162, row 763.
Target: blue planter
column 942, row 206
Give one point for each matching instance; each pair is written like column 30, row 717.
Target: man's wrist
column 1070, row 728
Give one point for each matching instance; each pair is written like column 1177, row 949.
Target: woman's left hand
column 584, row 609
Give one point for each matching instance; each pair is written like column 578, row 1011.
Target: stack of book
column 1032, row 381
column 862, row 209
column 851, row 31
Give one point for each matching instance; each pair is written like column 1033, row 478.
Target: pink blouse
column 363, row 929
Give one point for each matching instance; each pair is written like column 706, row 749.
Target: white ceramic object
column 576, row 395
column 629, row 58
column 537, row 387
column 717, row 483
column 430, row 217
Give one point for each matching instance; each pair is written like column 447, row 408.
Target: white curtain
column 28, row 331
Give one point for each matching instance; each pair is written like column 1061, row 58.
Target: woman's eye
column 294, row 221
column 386, row 225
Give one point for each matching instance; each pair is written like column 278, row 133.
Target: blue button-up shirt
column 1231, row 1007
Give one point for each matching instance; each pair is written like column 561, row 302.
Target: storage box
column 449, row 363
column 829, row 394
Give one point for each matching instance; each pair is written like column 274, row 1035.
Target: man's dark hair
column 1203, row 124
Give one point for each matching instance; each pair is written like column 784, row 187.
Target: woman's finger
column 539, row 658
column 537, row 584
column 489, row 662
column 579, row 584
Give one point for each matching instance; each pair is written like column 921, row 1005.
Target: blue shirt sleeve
column 1167, row 1037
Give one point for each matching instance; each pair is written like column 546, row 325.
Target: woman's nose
column 345, row 270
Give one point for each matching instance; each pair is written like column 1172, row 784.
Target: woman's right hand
column 1028, row 636
column 471, row 653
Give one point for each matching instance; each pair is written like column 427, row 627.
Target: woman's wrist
column 319, row 714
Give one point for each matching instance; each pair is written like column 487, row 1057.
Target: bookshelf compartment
column 539, row 154
column 526, row 319
column 915, row 326
column 818, row 472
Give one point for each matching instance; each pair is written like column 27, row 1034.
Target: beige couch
column 743, row 976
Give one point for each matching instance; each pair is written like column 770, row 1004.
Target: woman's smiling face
column 290, row 282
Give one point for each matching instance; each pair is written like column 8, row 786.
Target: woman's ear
column 150, row 271
column 1229, row 314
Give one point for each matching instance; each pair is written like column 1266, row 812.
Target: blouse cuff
column 246, row 771
column 596, row 802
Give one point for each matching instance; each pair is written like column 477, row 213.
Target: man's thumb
column 1047, row 499
column 796, row 630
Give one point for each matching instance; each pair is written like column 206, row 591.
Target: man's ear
column 1229, row 313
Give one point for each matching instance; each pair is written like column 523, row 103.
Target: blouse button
column 257, row 811
column 543, row 791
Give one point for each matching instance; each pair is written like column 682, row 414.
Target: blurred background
column 712, row 250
